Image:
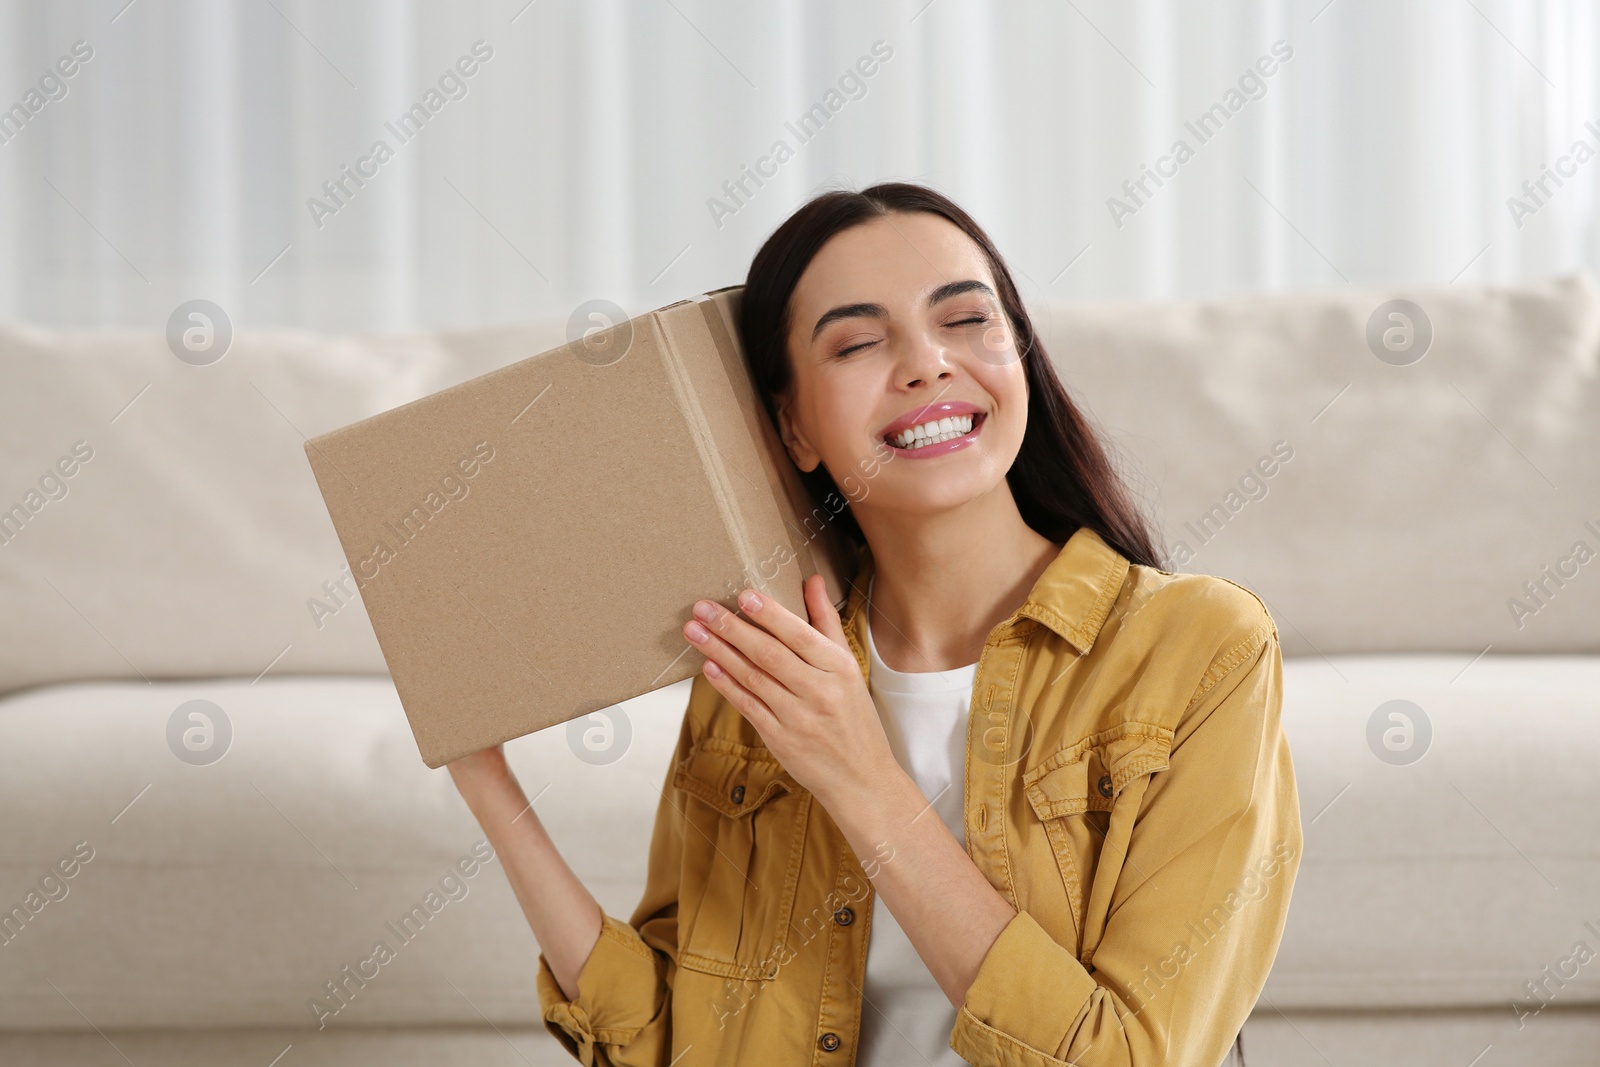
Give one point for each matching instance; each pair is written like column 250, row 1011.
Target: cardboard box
column 529, row 544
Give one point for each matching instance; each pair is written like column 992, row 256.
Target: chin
column 937, row 494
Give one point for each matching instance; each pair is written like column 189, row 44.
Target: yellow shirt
column 1129, row 790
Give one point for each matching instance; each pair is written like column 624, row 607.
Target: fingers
column 751, row 677
column 824, row 616
column 768, row 651
column 798, row 636
column 744, row 701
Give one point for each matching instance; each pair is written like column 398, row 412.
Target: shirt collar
column 1073, row 596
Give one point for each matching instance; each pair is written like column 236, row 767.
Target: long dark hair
column 1062, row 478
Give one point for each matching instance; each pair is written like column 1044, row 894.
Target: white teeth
column 931, row 433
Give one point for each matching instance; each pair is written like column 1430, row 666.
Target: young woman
column 1027, row 800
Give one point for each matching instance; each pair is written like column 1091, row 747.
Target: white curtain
column 582, row 156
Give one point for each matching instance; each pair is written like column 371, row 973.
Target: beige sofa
column 193, row 879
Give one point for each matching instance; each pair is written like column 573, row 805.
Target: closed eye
column 868, row 344
column 852, row 348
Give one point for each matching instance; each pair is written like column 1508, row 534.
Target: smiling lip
column 943, row 448
column 916, row 416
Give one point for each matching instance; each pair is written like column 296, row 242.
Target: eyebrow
column 878, row 311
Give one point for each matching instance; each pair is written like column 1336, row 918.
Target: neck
column 942, row 582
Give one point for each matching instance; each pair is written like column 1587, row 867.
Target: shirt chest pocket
column 1086, row 795
column 741, row 859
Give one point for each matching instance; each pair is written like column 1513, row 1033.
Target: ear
column 804, row 456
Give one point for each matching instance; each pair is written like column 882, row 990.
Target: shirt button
column 829, row 1041
column 738, row 794
column 844, row 916
column 1105, row 785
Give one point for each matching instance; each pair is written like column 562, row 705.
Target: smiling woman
column 1099, row 739
column 953, row 293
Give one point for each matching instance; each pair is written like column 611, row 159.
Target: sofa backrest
column 159, row 519
column 1376, row 503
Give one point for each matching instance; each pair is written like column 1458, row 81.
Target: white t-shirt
column 905, row 1016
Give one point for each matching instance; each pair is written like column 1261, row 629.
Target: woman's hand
column 473, row 772
column 799, row 685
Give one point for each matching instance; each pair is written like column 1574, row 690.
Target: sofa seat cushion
column 226, row 894
column 1455, row 879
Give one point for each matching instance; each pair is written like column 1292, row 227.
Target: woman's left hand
column 799, row 685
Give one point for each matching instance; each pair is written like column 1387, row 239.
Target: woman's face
column 893, row 320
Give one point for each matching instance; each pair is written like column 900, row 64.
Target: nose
column 925, row 360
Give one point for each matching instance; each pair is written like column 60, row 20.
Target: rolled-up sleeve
column 622, row 991
column 621, row 1015
column 1197, row 913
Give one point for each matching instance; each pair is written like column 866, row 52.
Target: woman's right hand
column 474, row 771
